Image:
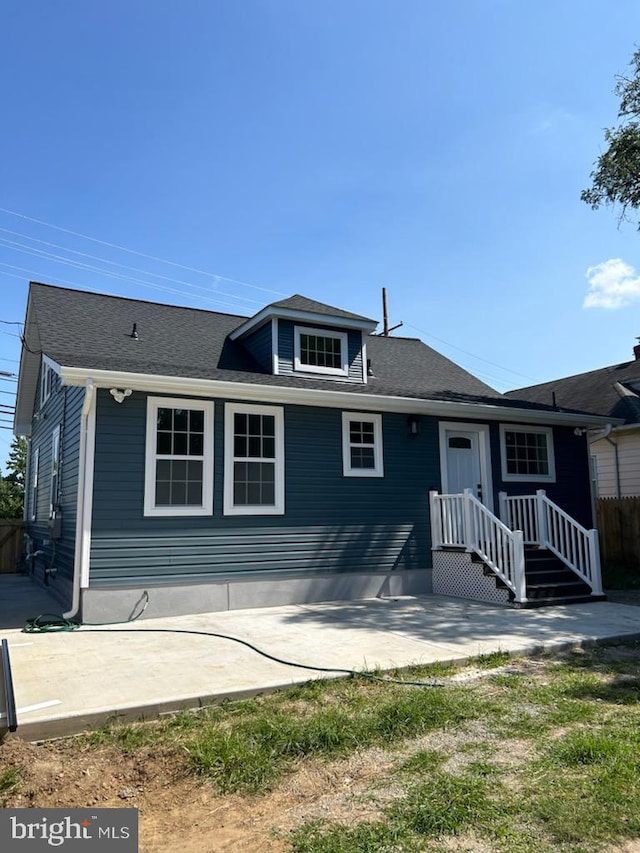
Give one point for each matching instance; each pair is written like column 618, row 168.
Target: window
column 362, row 445
column 179, row 457
column 47, row 377
column 527, row 453
column 254, row 460
column 55, row 471
column 35, row 462
column 319, row 351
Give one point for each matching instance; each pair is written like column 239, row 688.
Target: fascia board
column 302, row 316
column 326, row 399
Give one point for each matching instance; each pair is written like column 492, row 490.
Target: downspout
column 85, row 489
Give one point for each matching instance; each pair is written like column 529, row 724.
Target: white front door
column 465, row 460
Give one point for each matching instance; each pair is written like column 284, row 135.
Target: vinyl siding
column 331, row 523
column 286, row 339
column 62, row 409
column 628, row 465
column 260, row 345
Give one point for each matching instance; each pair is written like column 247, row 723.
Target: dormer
column 308, row 339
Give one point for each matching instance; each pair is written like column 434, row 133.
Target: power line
column 466, row 352
column 15, row 246
column 215, row 276
column 48, row 256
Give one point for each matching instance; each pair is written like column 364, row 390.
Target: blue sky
column 326, row 147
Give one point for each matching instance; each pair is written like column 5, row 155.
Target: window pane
column 194, row 471
column 180, row 420
column 194, row 494
column 255, row 446
column 254, row 483
column 240, row 445
column 460, row 443
column 240, row 424
column 163, row 446
column 268, row 425
column 178, row 470
column 178, row 494
column 196, row 445
column 163, row 492
column 196, row 420
column 268, row 448
column 165, row 419
column 163, row 470
column 180, row 443
column 255, row 425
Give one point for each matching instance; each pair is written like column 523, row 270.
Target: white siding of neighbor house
column 628, row 464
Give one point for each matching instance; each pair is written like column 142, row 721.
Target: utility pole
column 385, row 316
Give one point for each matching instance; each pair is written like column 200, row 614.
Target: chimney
column 636, row 350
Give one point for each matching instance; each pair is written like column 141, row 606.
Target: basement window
column 527, row 453
column 179, row 457
column 321, row 351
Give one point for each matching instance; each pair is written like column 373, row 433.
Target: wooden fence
column 619, row 528
column 11, row 544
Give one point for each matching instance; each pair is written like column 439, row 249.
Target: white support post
column 469, row 538
column 436, row 521
column 542, row 534
column 520, row 579
column 594, row 559
column 503, row 508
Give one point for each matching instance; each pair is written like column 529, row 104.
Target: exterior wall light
column 119, row 396
column 413, row 424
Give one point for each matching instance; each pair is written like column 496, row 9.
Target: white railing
column 545, row 524
column 463, row 521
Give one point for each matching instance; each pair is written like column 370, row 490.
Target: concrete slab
column 68, row 682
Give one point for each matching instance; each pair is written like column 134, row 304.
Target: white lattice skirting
column 455, row 574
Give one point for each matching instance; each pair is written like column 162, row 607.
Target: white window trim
column 33, row 492
column 527, row 478
column 55, row 467
column 314, row 368
column 150, row 508
column 46, row 382
column 378, row 469
column 276, row 412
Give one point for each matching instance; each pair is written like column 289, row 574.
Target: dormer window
column 321, row 351
column 47, row 375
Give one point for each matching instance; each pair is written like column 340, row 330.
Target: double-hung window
column 321, row 351
column 55, row 471
column 362, row 445
column 179, row 457
column 527, row 453
column 254, row 460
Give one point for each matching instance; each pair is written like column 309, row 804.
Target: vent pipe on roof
column 636, row 350
column 134, row 332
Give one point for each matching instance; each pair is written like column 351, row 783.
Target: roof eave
column 329, row 399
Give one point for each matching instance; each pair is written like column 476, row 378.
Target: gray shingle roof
column 301, row 303
column 93, row 331
column 601, row 392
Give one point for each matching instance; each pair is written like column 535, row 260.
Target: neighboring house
column 614, row 393
column 217, row 461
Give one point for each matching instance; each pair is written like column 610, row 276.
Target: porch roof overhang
column 160, row 384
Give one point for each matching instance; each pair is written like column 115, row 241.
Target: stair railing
column 545, row 524
column 463, row 521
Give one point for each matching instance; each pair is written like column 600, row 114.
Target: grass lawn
column 506, row 754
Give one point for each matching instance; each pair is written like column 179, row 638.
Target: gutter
column 181, row 386
column 85, row 497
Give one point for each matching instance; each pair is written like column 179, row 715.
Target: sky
column 223, row 154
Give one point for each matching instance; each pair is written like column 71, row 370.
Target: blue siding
column 260, row 345
column 286, row 348
column 63, row 409
column 331, row 523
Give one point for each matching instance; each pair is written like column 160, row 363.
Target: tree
column 12, row 485
column 615, row 179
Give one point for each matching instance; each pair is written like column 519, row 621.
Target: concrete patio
column 69, row 682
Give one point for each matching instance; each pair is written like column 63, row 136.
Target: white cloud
column 612, row 284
